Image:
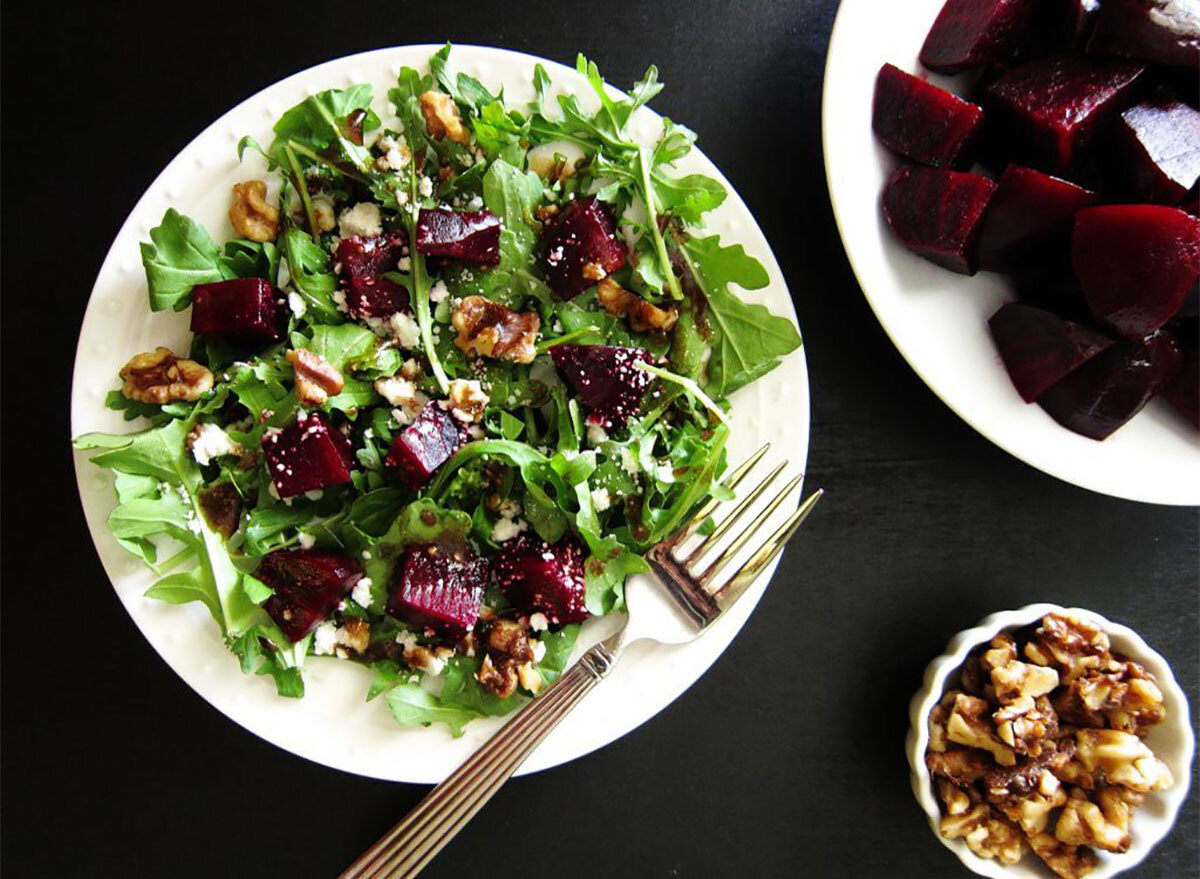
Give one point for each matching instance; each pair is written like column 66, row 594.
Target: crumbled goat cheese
column 407, row 640
column 506, row 529
column 404, row 330
column 629, row 462
column 397, row 391
column 209, row 442
column 665, row 472
column 426, row 187
column 538, row 622
column 325, row 639
column 539, row 650
column 362, row 592
column 475, row 204
column 596, row 434
column 297, row 304
column 306, row 540
column 438, row 292
column 601, row 499
column 363, row 219
column 317, row 493
column 404, row 264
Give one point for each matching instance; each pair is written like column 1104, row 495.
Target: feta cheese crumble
column 297, row 304
column 361, row 594
column 363, row 219
column 601, row 499
column 325, row 639
column 538, row 622
column 306, row 540
column 209, row 441
column 404, row 330
column 438, row 292
column 506, row 529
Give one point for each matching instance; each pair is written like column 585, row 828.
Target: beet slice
column 425, row 445
column 921, row 122
column 1162, row 31
column 579, row 247
column 1136, row 264
column 1112, row 387
column 608, row 384
column 937, row 213
column 972, row 33
column 307, row 455
column 439, row 589
column 1039, row 348
column 466, row 236
column 1061, row 26
column 1029, row 219
column 308, row 586
column 1160, row 142
column 538, row 577
column 1184, row 391
column 240, row 308
column 1047, row 111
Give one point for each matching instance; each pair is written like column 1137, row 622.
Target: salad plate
column 939, row 320
column 333, row 724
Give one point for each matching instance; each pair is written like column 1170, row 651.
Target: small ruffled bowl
column 1171, row 741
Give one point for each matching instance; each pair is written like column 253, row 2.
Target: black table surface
column 786, row 758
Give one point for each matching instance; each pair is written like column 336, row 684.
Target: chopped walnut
column 1068, row 861
column 1031, row 812
column 467, row 400
column 957, row 800
column 1014, row 782
column 355, row 633
column 508, row 649
column 159, row 377
column 643, row 316
column 1071, row 645
column 1015, row 680
column 985, row 833
column 967, row 726
column 1128, row 699
column 316, row 378
column 251, row 214
column 442, row 119
column 1082, row 823
column 1023, row 723
column 529, row 677
column 489, row 329
column 1118, row 805
column 938, row 716
column 1001, row 651
column 963, row 766
column 1122, row 758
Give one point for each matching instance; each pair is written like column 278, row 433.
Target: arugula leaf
column 308, row 266
column 413, row 706
column 319, row 122
column 250, row 259
column 180, row 255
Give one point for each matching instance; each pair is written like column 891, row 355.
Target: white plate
column 332, row 724
column 938, row 319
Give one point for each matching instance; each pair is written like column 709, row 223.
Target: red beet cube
column 538, row 577
column 937, row 213
column 374, row 297
column 467, row 236
column 1160, row 142
column 1100, row 396
column 426, row 444
column 1029, row 219
column 1184, row 392
column 1039, row 348
column 1162, row 31
column 1048, row 110
column 439, row 589
column 306, row 455
column 241, row 308
column 580, row 246
column 606, row 380
column 362, row 263
column 1136, row 264
column 921, row 122
column 972, row 33
column 308, row 586
column 1061, row 26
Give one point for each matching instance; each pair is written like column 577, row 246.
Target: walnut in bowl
column 1050, row 742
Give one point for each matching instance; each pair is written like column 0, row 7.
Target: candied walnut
column 251, row 214
column 986, row 834
column 643, row 316
column 974, row 680
column 1001, row 651
column 967, row 726
column 1008, row 782
column 489, row 329
column 1071, row 645
column 222, row 507
column 1122, row 758
column 160, row 377
column 938, row 716
column 529, row 677
column 1118, row 805
column 1128, row 699
column 1031, row 812
column 963, row 766
column 1023, row 723
column 1082, row 823
column 957, row 800
column 442, row 119
column 316, row 378
column 467, row 400
column 1016, row 680
column 430, row 659
column 508, row 650
column 1068, row 861
column 355, row 633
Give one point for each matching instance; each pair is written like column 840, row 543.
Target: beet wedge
column 1184, row 391
column 425, row 445
column 1159, row 142
column 1102, row 395
column 362, row 263
column 308, row 586
column 1060, row 26
column 606, row 378
column 1039, row 348
column 439, row 589
column 1161, row 31
column 580, row 246
column 239, row 309
column 972, row 33
column 1029, row 219
column 922, row 123
column 307, row 455
column 538, row 577
column 938, row 214
column 465, row 236
column 1137, row 264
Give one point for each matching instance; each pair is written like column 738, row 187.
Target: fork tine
column 729, row 521
column 736, row 545
column 731, row 482
column 739, row 582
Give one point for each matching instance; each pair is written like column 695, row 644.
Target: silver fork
column 680, row 610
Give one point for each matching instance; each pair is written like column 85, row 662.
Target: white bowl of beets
column 1070, row 163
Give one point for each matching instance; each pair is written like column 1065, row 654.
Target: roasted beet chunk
column 1136, row 264
column 538, row 577
column 306, row 455
column 1061, row 26
column 362, row 262
column 308, row 586
column 1029, row 219
column 241, row 308
column 972, row 33
column 1112, row 387
column 1160, row 145
column 426, row 444
column 608, row 383
column 439, row 588
column 1163, row 31
column 921, row 122
column 1039, row 348
column 936, row 213
column 579, row 247
column 1047, row 111
column 1184, row 392
column 467, row 236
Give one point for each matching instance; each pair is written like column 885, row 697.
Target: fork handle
column 405, row 849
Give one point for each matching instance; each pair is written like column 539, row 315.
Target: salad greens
column 197, row 502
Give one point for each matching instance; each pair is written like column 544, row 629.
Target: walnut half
column 489, row 329
column 442, row 119
column 251, row 214
column 316, row 378
column 985, row 833
column 160, row 377
column 643, row 316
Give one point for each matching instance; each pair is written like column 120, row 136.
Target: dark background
column 787, row 757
